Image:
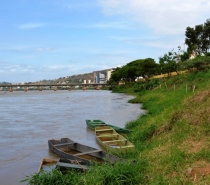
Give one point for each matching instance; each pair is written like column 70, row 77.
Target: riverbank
column 171, row 139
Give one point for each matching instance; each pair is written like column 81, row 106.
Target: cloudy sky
column 48, row 39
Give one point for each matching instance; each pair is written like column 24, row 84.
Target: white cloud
column 26, row 49
column 23, row 73
column 13, row 48
column 31, row 26
column 62, row 67
column 44, row 49
column 163, row 16
column 150, row 41
column 15, row 68
column 115, row 25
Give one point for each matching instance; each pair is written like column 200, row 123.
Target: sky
column 48, row 39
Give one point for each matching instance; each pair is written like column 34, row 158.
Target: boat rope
column 76, row 162
column 80, row 165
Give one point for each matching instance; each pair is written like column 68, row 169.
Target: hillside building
column 101, row 77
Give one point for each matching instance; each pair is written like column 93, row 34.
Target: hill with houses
column 94, row 77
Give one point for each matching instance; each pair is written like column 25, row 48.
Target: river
column 29, row 119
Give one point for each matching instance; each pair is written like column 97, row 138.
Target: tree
column 198, row 38
column 169, row 62
column 148, row 68
column 199, row 63
column 206, row 36
column 194, row 39
column 128, row 73
column 185, row 56
column 115, row 76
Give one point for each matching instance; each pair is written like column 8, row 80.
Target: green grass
column 129, row 172
column 53, row 177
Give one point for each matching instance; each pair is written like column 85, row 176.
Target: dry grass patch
column 158, row 153
column 190, row 145
column 201, row 97
column 197, row 109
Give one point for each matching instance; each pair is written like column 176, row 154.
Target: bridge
column 54, row 86
column 58, row 85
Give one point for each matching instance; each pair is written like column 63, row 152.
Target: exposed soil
column 200, row 170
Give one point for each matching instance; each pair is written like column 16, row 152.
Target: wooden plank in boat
column 63, row 144
column 112, row 141
column 107, row 135
column 103, row 130
column 70, row 165
column 129, row 146
column 89, row 152
column 46, row 162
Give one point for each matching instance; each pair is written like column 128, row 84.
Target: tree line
column 196, row 56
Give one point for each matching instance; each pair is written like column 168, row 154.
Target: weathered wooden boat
column 47, row 164
column 111, row 140
column 68, row 149
column 66, row 164
column 92, row 124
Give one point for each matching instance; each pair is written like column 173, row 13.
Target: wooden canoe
column 68, row 149
column 92, row 124
column 66, row 164
column 47, row 164
column 111, row 140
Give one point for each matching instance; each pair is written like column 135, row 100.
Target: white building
column 102, row 76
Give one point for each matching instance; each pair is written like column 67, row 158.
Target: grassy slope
column 173, row 137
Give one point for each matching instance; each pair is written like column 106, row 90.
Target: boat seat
column 70, row 165
column 63, row 144
column 129, row 146
column 93, row 122
column 107, row 135
column 97, row 124
column 89, row 152
column 103, row 130
column 112, row 141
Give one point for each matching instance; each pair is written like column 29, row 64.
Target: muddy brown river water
column 29, row 119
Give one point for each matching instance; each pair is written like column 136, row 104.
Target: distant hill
column 79, row 78
column 76, row 78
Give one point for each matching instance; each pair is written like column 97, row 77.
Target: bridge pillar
column 69, row 89
column 10, row 89
column 40, row 88
column 25, row 89
column 84, row 88
column 55, row 88
column 98, row 88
